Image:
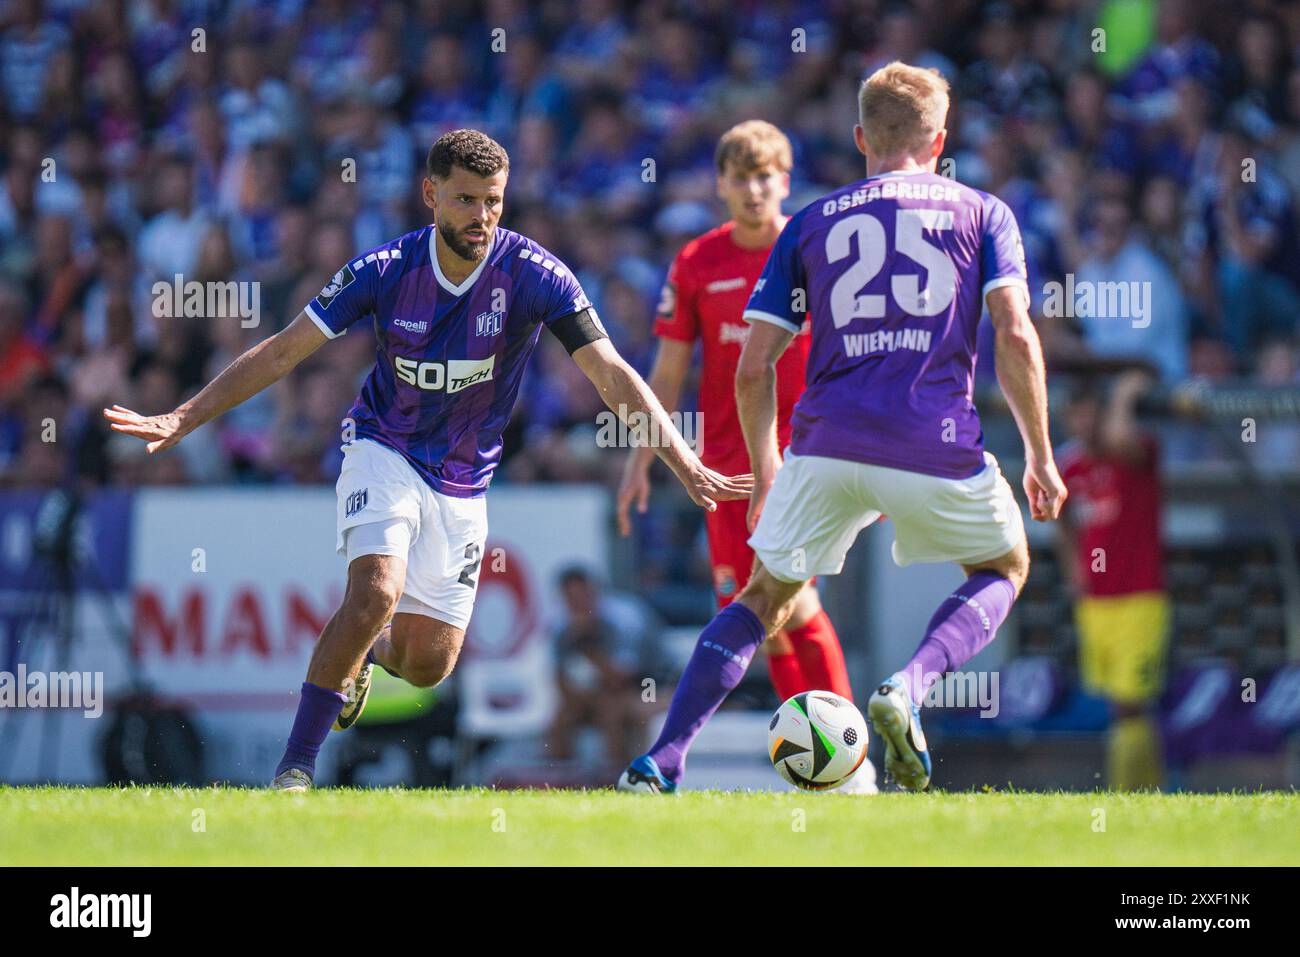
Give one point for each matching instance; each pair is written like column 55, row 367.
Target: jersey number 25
column 909, row 239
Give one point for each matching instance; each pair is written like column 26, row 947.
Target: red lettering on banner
column 245, row 626
column 239, row 623
column 302, row 623
column 152, row 626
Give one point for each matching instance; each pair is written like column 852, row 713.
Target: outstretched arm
column 626, row 393
column 1019, row 360
column 672, row 362
column 267, row 362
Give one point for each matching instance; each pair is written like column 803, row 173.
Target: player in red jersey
column 1111, row 552
column 706, row 293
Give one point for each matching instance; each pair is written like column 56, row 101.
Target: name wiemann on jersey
column 452, row 375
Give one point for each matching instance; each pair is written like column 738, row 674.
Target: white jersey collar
column 469, row 280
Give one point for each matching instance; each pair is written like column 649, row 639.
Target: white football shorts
column 385, row 508
column 817, row 507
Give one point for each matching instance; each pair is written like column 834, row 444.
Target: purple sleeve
column 773, row 299
column 559, row 294
column 1002, row 255
column 347, row 297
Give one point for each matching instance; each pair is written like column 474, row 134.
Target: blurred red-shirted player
column 1111, row 553
column 707, row 289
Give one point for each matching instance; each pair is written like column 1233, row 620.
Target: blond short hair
column 753, row 145
column 902, row 108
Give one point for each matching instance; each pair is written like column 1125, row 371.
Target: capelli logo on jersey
column 421, row 327
column 451, row 376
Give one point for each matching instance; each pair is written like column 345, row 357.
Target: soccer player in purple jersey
column 457, row 307
column 896, row 270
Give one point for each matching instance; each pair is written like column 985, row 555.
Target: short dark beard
column 457, row 244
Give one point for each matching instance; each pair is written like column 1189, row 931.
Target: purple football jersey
column 450, row 358
column 894, row 270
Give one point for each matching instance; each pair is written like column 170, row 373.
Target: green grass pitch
column 224, row 826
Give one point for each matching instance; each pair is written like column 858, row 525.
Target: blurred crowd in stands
column 141, row 140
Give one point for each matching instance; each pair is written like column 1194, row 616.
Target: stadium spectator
column 600, row 652
column 1110, row 549
column 592, row 40
column 530, row 91
column 256, row 108
column 450, row 98
column 902, row 37
column 169, row 242
column 1148, row 90
column 1246, row 231
column 1147, row 319
column 1255, row 84
column 28, row 46
column 1005, row 81
column 382, row 155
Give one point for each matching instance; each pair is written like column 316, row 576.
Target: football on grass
column 816, row 740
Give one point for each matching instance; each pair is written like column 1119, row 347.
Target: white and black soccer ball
column 816, row 740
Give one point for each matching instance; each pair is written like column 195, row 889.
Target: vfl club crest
column 488, row 323
column 357, row 501
column 342, row 279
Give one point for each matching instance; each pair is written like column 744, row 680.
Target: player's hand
column 1045, row 490
column 635, row 487
column 160, row 431
column 707, row 488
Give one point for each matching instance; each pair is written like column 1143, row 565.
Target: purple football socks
column 317, row 709
column 965, row 622
column 726, row 647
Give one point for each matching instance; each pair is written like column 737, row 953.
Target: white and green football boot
column 898, row 722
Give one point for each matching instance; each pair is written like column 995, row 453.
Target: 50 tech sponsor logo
column 452, row 375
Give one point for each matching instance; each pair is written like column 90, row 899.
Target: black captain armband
column 578, row 329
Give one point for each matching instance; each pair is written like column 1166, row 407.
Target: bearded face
column 467, row 208
column 470, row 243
